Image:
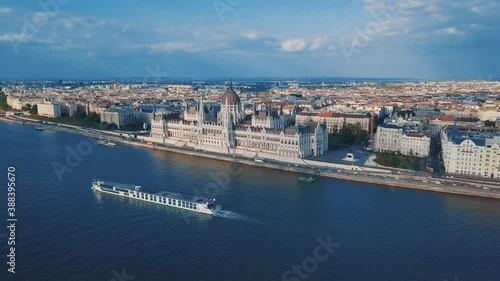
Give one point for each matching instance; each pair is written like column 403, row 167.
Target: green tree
column 3, row 102
column 33, row 109
column 352, row 133
column 489, row 123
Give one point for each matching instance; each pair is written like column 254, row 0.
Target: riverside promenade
column 370, row 175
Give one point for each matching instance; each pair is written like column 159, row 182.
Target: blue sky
column 427, row 39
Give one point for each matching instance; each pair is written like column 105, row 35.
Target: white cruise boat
column 106, row 143
column 176, row 200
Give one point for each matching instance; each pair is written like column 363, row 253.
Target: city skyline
column 426, row 39
column 250, row 140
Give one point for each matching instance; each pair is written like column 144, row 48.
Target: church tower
column 228, row 134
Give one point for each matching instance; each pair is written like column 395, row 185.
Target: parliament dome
column 230, row 97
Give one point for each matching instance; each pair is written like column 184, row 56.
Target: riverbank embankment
column 360, row 174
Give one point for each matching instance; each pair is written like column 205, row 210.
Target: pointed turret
column 201, row 111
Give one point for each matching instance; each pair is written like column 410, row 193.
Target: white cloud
column 6, row 10
column 476, row 26
column 251, row 35
column 316, row 45
column 441, row 17
column 432, row 9
column 10, row 37
column 412, row 4
column 125, row 28
column 293, row 45
column 165, row 47
column 171, row 46
column 68, row 25
column 20, row 37
column 449, row 31
column 475, row 9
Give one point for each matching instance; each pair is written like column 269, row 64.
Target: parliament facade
column 229, row 133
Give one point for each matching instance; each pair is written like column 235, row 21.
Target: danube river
column 272, row 227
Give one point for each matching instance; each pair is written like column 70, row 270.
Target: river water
column 272, row 226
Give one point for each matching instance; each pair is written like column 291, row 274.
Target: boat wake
column 236, row 216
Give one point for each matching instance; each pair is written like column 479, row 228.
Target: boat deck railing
column 173, row 195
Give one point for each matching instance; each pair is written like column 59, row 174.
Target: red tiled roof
column 326, row 114
column 415, row 135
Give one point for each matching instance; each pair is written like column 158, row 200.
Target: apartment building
column 49, row 109
column 471, row 153
column 120, row 117
column 334, row 120
column 403, row 139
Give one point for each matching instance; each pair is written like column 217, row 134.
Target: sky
column 90, row 39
